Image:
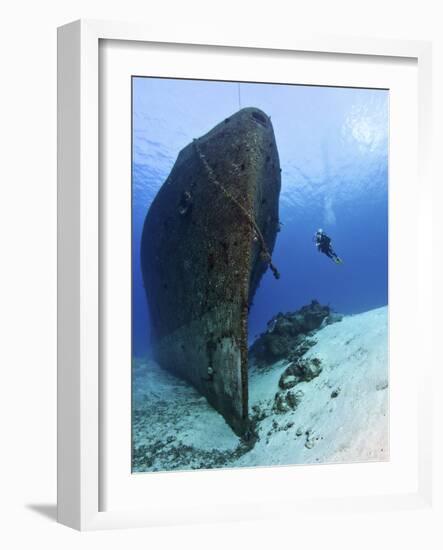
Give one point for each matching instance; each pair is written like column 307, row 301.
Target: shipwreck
column 207, row 240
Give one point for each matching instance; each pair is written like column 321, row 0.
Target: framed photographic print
column 240, row 263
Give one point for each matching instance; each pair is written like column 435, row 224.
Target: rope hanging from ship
column 264, row 252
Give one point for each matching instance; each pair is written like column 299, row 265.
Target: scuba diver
column 323, row 244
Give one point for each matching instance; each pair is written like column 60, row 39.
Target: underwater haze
column 333, row 148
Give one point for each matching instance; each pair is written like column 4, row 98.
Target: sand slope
column 342, row 416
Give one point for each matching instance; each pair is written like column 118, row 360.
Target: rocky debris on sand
column 287, row 401
column 159, row 456
column 335, row 393
column 310, row 439
column 294, row 399
column 333, row 317
column 303, row 370
column 300, row 349
column 382, row 385
column 285, row 337
column 258, row 413
column 280, row 404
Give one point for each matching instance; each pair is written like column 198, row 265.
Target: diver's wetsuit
column 324, row 245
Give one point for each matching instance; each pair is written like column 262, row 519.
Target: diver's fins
column 338, row 260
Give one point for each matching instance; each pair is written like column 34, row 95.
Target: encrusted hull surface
column 207, row 240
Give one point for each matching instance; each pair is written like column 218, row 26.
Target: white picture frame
column 79, row 294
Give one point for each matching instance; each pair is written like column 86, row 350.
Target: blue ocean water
column 333, row 147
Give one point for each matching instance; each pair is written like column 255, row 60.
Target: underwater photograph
column 259, row 274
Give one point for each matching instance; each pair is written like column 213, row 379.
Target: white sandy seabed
column 342, row 416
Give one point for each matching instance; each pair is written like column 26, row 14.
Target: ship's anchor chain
column 264, row 253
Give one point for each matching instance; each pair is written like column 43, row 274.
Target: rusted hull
column 204, row 249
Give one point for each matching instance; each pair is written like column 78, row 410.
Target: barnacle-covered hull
column 206, row 243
